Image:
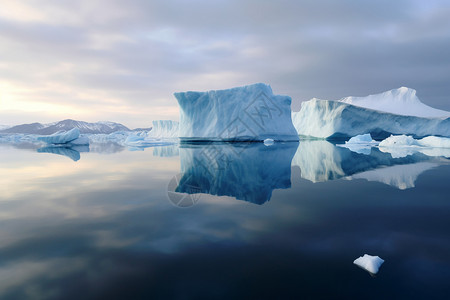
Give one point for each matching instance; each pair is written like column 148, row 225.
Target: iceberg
column 402, row 145
column 248, row 113
column 245, row 171
column 369, row 263
column 61, row 137
column 333, row 119
column 164, row 129
column 360, row 144
column 268, row 142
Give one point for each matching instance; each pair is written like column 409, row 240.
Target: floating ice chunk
column 333, row 119
column 361, row 139
column 269, row 142
column 369, row 263
column 402, row 145
column 360, row 143
column 61, row 138
column 248, row 113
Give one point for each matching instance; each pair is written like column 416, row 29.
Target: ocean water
column 222, row 221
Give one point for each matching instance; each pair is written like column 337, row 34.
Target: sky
column 109, row 60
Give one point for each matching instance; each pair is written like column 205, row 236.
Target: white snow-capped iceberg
column 401, row 101
column 164, row 129
column 369, row 263
column 248, row 113
column 334, row 119
column 360, row 143
column 61, row 137
column 403, row 145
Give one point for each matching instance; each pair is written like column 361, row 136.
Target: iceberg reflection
column 71, row 152
column 245, row 171
column 322, row 161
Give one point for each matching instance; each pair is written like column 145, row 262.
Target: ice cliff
column 248, row 113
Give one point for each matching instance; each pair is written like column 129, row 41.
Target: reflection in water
column 71, row 152
column 103, row 229
column 251, row 172
column 322, row 161
column 246, row 171
column 166, row 151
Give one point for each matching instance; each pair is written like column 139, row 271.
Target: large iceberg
column 248, row 113
column 334, row 119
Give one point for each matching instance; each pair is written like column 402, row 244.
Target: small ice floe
column 268, row 142
column 369, row 263
column 360, row 144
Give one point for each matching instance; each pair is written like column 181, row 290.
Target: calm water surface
column 222, row 221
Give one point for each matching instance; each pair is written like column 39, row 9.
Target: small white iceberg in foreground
column 360, row 144
column 403, row 145
column 369, row 263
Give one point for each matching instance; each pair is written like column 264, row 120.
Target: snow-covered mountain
column 3, row 127
column 401, row 101
column 65, row 125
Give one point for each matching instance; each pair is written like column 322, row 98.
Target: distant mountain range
column 85, row 127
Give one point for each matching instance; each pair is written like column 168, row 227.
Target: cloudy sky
column 123, row 60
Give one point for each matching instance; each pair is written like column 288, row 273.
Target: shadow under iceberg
column 245, row 171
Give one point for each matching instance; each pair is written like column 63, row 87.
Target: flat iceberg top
column 401, row 101
column 369, row 263
column 247, row 113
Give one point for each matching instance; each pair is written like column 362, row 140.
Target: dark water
column 222, row 221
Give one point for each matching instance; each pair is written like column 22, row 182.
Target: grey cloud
column 146, row 50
